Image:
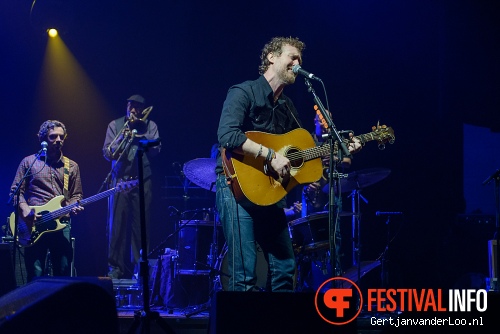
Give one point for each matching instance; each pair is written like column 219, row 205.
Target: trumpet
column 133, row 127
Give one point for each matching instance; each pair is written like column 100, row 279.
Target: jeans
column 244, row 225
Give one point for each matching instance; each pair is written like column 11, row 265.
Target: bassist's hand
column 76, row 210
column 28, row 214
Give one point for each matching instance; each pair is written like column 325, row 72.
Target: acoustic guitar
column 251, row 182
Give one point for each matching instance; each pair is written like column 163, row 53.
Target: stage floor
column 185, row 322
column 174, row 319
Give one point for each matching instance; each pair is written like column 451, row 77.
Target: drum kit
column 200, row 240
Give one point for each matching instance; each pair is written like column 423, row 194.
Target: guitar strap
column 66, row 177
column 291, row 113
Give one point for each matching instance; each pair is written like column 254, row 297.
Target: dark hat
column 137, row 98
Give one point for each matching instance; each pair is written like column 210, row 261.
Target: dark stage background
column 423, row 67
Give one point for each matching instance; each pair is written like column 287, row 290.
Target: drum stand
column 356, row 229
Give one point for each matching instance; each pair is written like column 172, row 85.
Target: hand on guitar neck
column 321, row 126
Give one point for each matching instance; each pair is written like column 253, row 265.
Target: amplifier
column 19, row 268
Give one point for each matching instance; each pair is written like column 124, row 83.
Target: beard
column 286, row 76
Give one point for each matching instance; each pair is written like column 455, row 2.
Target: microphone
column 299, row 70
column 383, row 213
column 44, row 146
column 43, row 151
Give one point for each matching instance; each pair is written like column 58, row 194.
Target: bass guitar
column 53, row 215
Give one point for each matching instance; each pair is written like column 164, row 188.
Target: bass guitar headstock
column 126, row 185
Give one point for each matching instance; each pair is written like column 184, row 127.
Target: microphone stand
column 16, row 208
column 333, row 175
column 143, row 318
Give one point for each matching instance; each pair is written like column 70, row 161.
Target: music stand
column 142, row 318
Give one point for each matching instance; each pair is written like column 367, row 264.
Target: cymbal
column 361, row 179
column 201, row 172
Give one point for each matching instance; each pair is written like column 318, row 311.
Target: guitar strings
column 65, row 210
column 318, row 151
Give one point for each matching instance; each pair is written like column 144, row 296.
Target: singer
column 258, row 105
column 123, row 137
column 50, row 176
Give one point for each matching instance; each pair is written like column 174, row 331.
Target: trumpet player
column 120, row 147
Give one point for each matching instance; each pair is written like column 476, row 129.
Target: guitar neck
column 67, row 209
column 316, row 152
column 364, row 138
column 324, row 150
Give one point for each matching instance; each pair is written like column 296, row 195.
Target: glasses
column 54, row 136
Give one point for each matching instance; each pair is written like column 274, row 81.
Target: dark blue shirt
column 250, row 106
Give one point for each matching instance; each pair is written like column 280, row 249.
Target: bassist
column 51, row 174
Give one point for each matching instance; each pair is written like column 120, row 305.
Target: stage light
column 52, row 14
column 52, row 32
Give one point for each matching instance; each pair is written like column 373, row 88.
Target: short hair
column 49, row 125
column 275, row 45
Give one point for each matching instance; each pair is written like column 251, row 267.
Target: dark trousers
column 125, row 227
column 58, row 243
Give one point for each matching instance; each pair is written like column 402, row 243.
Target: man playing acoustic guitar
column 256, row 113
column 51, row 174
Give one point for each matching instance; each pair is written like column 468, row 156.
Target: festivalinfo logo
column 339, row 301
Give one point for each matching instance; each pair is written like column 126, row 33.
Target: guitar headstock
column 126, row 185
column 383, row 134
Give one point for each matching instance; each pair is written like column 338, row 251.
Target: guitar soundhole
column 295, row 156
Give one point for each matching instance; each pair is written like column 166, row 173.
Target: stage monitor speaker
column 60, row 305
column 269, row 312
